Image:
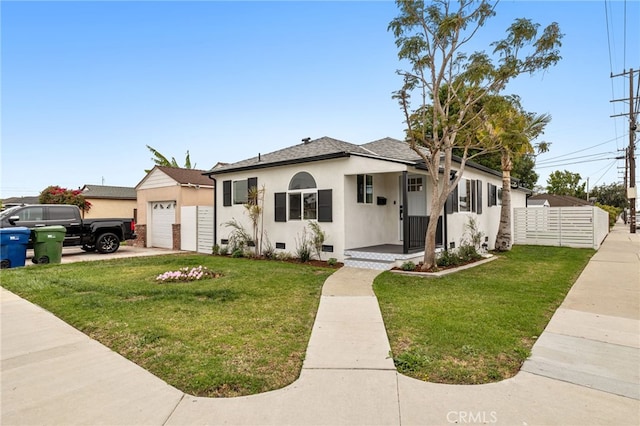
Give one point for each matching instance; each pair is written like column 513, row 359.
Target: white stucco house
column 371, row 200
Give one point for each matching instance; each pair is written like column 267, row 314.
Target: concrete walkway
column 584, row 368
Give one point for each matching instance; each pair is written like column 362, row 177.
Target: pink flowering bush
column 187, row 274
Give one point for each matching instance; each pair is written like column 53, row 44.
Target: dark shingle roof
column 561, row 200
column 17, row 201
column 186, row 176
column 324, row 147
column 113, row 192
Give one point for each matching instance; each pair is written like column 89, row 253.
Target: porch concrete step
column 381, row 265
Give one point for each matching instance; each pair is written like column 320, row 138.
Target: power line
column 576, row 162
column 542, row 163
column 583, row 149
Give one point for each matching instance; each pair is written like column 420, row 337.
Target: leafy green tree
column 450, row 83
column 614, row 194
column 161, row 160
column 57, row 195
column 566, row 183
column 509, row 127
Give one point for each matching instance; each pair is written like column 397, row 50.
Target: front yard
column 247, row 331
column 243, row 333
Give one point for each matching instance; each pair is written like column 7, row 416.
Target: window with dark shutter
column 281, row 206
column 325, row 205
column 226, row 193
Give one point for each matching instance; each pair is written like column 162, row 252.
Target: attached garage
column 161, row 195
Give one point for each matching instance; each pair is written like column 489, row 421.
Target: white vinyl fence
column 196, row 230
column 584, row 227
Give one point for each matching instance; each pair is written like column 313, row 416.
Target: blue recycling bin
column 13, row 246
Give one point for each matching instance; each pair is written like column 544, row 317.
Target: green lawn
column 243, row 333
column 479, row 325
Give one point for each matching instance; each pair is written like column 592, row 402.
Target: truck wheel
column 108, row 243
column 87, row 247
column 5, row 263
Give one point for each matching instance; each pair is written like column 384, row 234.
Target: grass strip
column 478, row 325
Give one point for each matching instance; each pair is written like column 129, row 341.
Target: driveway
column 76, row 254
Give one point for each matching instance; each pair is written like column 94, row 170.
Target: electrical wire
column 545, row 162
column 584, row 149
column 576, row 162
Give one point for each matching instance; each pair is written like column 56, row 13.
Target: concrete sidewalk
column 583, row 369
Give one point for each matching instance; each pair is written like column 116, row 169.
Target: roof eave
column 331, row 156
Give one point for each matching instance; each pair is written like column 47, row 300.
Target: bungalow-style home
column 552, row 200
column 162, row 194
column 110, row 201
column 20, row 201
column 371, row 200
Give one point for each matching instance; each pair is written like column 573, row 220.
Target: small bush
column 448, row 258
column 303, row 247
column 467, row 253
column 215, row 250
column 332, row 261
column 224, row 251
column 237, row 253
column 408, row 266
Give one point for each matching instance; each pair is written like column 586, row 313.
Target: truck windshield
column 8, row 212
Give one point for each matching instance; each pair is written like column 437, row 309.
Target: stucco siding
column 106, row 208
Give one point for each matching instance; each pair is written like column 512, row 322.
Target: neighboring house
column 19, row 201
column 110, row 201
column 537, row 203
column 371, row 200
column 551, row 200
column 161, row 195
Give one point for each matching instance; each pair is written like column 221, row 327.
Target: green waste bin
column 47, row 244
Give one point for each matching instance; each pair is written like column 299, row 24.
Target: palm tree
column 513, row 130
column 161, row 160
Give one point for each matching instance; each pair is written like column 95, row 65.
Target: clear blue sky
column 86, row 85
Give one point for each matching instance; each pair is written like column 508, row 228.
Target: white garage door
column 163, row 215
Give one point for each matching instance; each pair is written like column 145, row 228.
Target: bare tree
column 450, row 83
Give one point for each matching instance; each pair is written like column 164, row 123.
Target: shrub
column 467, row 253
column 215, row 250
column 224, row 251
column 237, row 253
column 408, row 266
column 303, row 247
column 332, row 261
column 317, row 239
column 187, row 274
column 238, row 238
column 448, row 258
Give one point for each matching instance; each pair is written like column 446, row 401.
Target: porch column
column 405, row 214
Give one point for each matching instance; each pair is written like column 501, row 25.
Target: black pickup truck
column 103, row 235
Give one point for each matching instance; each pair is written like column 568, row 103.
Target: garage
column 161, row 195
column 163, row 216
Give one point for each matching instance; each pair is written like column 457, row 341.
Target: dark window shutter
column 473, row 195
column 479, row 196
column 226, row 193
column 360, row 188
column 281, row 206
column 325, row 205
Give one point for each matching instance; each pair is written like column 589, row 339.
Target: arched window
column 303, row 197
column 302, row 180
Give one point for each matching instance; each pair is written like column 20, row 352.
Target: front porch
column 380, row 257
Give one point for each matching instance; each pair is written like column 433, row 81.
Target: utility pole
column 631, row 159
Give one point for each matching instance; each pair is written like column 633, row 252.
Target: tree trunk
column 429, row 260
column 503, row 238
